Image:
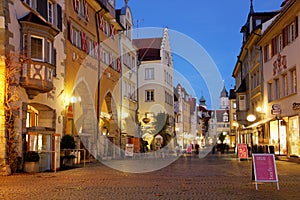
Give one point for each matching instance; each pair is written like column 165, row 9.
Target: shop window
column 294, row 136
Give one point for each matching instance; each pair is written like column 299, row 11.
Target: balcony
column 36, row 77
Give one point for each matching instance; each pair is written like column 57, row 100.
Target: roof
column 36, row 19
column 243, row 87
column 220, row 114
column 148, row 48
column 224, row 92
column 232, row 94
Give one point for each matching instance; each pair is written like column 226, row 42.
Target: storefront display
column 294, row 136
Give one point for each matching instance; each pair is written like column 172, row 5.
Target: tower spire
column 251, row 7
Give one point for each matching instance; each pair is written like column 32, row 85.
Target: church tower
column 224, row 99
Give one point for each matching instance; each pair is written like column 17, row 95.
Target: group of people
column 189, row 149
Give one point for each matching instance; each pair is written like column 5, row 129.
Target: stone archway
column 109, row 127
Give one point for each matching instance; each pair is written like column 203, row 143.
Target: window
column 242, row 102
column 37, row 51
column 234, row 104
column 106, row 57
column 49, row 53
column 267, row 52
column 234, row 116
column 291, row 33
column 149, row 95
column 31, row 3
column 279, row 43
column 257, row 22
column 225, row 117
column 149, row 74
column 293, row 78
column 76, row 37
column 285, row 85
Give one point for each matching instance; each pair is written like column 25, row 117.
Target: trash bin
column 271, row 149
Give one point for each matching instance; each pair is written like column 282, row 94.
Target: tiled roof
column 149, row 48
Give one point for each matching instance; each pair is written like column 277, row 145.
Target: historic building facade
column 279, row 42
column 155, row 82
column 267, row 82
column 32, row 56
column 92, row 83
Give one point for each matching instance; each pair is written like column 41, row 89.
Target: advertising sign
column 265, row 168
column 129, row 150
column 242, row 151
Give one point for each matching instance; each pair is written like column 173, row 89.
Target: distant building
column 219, row 123
column 155, row 81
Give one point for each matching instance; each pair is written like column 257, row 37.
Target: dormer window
column 257, row 22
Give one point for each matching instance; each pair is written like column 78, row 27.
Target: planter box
column 31, row 167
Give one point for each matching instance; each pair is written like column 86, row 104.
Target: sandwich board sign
column 242, row 151
column 129, row 150
column 265, row 168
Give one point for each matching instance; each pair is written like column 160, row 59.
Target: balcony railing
column 36, row 77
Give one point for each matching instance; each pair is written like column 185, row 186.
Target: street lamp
column 251, row 118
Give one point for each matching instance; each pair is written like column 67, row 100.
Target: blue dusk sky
column 205, row 37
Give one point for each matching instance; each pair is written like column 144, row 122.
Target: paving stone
column 213, row 177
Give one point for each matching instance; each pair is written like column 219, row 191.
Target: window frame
column 149, row 73
column 149, row 95
column 42, row 48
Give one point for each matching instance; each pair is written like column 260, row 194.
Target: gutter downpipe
column 98, row 74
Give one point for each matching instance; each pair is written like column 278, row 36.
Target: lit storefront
column 294, row 142
column 278, row 136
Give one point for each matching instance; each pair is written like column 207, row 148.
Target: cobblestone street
column 217, row 176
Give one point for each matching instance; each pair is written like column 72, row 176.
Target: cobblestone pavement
column 213, row 177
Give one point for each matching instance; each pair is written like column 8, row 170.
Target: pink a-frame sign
column 265, row 168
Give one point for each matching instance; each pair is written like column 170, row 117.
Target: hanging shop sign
column 276, row 109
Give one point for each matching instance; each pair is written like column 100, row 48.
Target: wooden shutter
column 54, row 62
column 70, row 31
column 86, row 11
column 266, row 53
column 296, row 27
column 76, row 5
column 285, row 36
column 59, row 17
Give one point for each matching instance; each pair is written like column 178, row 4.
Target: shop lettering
column 296, row 106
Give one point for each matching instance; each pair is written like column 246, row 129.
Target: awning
column 263, row 121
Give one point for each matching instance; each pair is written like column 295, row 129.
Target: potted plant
column 67, row 145
column 31, row 162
